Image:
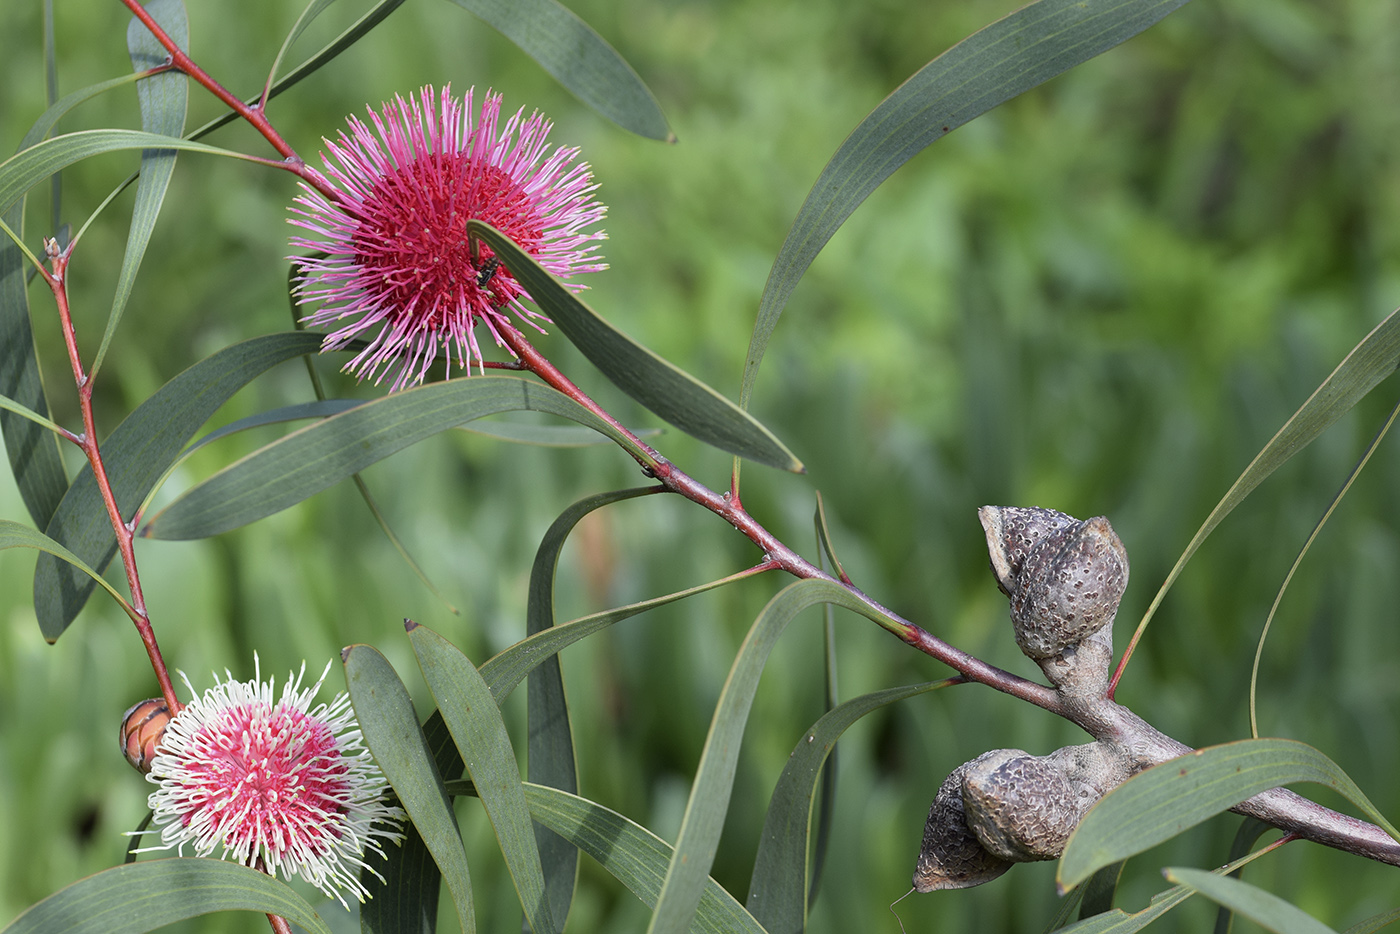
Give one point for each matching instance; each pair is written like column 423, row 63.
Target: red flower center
column 412, row 241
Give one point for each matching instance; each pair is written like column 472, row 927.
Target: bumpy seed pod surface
column 951, row 856
column 142, row 729
column 1064, row 578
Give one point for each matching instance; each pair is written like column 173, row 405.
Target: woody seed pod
column 143, row 727
column 951, row 856
column 1064, row 577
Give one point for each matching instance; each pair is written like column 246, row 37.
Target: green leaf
column 14, row 535
column 1118, row 921
column 505, row 671
column 1012, row 55
column 579, row 59
column 10, row 405
column 391, row 731
column 163, row 99
column 139, row 897
column 33, row 451
column 136, row 455
column 376, row 15
column 1165, row 800
column 670, row 392
column 29, row 167
column 311, row 459
column 550, row 749
column 1369, row 362
column 1263, row 908
column 714, row 779
column 1373, row 924
column 556, row 436
column 476, row 725
column 633, row 855
column 778, row 890
column 324, row 408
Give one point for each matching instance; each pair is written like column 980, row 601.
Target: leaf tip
column 409, row 625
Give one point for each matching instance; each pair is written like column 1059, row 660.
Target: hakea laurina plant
column 399, row 262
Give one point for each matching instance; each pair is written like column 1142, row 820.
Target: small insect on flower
column 399, row 269
column 275, row 785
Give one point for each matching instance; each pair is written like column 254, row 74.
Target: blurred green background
column 1103, row 297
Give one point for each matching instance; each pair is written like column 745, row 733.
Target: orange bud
column 143, row 727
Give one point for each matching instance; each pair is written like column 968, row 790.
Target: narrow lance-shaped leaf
column 550, row 750
column 778, row 889
column 579, row 59
column 1263, row 908
column 136, row 455
column 475, row 723
column 1012, row 55
column 634, row 856
column 1167, row 799
column 714, row 779
column 1369, row 362
column 391, row 731
column 14, row 535
column 313, row 458
column 140, row 897
column 162, row 98
column 665, row 389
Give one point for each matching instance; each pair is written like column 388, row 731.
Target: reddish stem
column 728, row 508
column 88, row 442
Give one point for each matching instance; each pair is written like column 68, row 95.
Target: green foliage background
column 1103, row 297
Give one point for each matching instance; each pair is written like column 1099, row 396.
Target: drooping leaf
column 1249, row 833
column 714, row 779
column 778, row 889
column 311, row 459
column 163, row 99
column 670, row 392
column 1016, row 53
column 1369, row 362
column 1263, row 908
column 139, row 897
column 505, row 671
column 14, row 535
column 391, row 732
column 633, row 855
column 579, row 59
column 550, row 750
column 136, row 455
column 22, row 411
column 1165, row 800
column 476, row 725
column 29, row 167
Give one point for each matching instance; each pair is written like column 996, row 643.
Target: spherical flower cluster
column 272, row 785
column 398, row 267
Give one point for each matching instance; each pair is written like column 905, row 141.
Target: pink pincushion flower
column 275, row 785
column 399, row 269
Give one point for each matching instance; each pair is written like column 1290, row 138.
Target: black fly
column 488, row 270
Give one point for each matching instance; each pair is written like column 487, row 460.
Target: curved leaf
column 579, row 59
column 27, row 168
column 9, row 405
column 778, row 890
column 1012, row 55
column 35, row 460
column 162, row 98
column 670, row 392
column 309, row 460
column 554, row 436
column 14, row 535
column 324, row 408
column 1374, row 923
column 1370, row 361
column 714, row 779
column 476, row 725
column 136, row 456
column 550, row 750
column 1165, row 800
column 140, row 897
column 1263, row 908
column 391, row 731
column 635, row 856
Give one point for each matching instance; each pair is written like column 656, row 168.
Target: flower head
column 274, row 785
column 399, row 268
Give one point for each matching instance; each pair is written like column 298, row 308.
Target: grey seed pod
column 1012, row 532
column 951, row 857
column 1064, row 577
